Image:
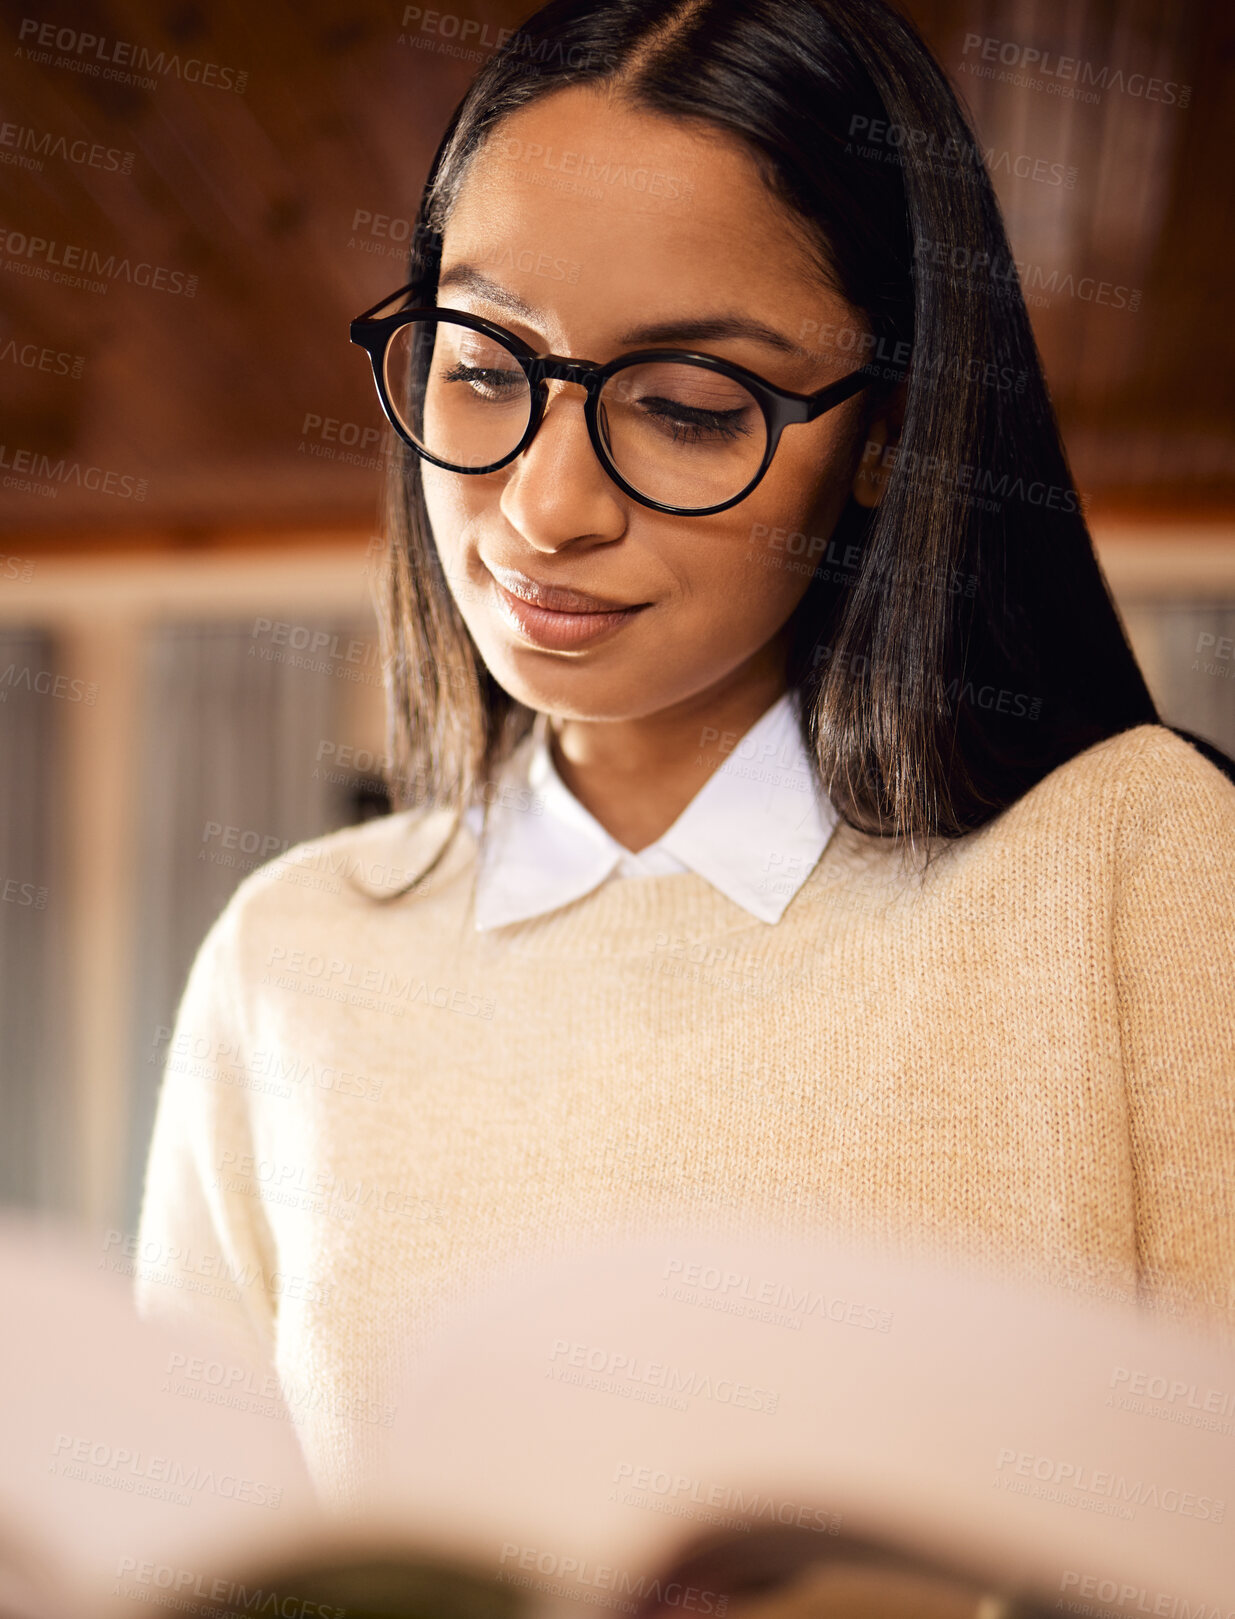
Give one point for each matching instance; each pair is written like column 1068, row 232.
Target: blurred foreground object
column 124, row 1442
column 773, row 1430
column 759, row 1430
column 590, row 1427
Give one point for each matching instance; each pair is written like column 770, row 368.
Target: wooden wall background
column 269, row 198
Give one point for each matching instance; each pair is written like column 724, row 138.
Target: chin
column 564, row 698
column 568, row 691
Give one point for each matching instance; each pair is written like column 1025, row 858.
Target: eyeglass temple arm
column 837, row 392
column 382, row 302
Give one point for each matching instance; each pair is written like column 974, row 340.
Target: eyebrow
column 468, row 278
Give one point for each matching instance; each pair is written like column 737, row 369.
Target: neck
column 636, row 776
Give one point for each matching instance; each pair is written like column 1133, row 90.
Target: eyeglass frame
column 781, row 408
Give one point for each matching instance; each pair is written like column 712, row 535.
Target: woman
column 785, row 834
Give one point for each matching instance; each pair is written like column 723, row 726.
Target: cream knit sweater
column 369, row 1108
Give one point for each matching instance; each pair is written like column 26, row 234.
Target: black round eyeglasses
column 677, row 431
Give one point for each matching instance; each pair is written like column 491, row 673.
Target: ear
column 881, row 435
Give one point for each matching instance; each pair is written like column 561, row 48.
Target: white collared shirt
column 754, row 830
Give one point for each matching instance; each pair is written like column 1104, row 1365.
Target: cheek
column 455, row 506
column 786, row 524
column 451, row 506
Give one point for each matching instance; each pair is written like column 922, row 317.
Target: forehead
column 583, row 200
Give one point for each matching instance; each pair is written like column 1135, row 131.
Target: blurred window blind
column 1191, row 667
column 36, row 1114
column 231, row 736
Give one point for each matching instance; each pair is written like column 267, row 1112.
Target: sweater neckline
column 640, row 916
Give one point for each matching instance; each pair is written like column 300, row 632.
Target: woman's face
column 581, row 225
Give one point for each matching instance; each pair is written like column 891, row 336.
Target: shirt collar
column 754, row 830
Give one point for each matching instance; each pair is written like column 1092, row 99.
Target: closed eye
column 693, row 425
column 486, row 381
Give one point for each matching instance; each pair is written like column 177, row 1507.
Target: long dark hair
column 971, row 645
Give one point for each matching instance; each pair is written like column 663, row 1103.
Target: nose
column 557, row 491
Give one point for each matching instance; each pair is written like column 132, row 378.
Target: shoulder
column 1139, row 789
column 336, row 877
column 1145, row 772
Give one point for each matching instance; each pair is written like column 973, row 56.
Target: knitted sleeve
column 1174, row 942
column 202, row 1249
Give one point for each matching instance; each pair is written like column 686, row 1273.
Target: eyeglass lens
column 678, row 432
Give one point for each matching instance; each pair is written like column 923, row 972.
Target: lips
column 556, row 598
column 553, row 630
